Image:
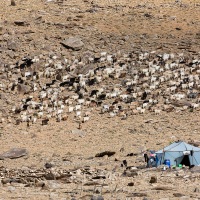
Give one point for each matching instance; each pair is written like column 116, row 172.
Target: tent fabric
column 175, row 153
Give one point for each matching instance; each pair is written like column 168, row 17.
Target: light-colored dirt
column 106, row 25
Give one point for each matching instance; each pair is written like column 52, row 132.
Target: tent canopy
column 179, row 152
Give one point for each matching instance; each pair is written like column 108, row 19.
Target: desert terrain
column 61, row 146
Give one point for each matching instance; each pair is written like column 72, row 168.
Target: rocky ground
column 61, row 159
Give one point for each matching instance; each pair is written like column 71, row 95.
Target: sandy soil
column 112, row 25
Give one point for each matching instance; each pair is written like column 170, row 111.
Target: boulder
column 73, row 43
column 14, row 153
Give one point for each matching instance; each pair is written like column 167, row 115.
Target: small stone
column 23, row 89
column 11, row 188
column 178, row 195
column 196, row 190
column 153, row 179
column 108, row 153
column 50, row 176
column 13, row 3
column 12, row 45
column 40, row 184
column 131, row 184
column 53, row 196
column 5, row 180
column 20, row 23
column 78, row 132
column 48, row 165
column 1, row 28
column 97, row 198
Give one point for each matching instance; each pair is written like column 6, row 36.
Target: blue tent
column 179, row 153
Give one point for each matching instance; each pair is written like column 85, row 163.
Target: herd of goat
column 116, row 85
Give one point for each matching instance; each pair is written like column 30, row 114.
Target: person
column 146, row 158
column 152, row 159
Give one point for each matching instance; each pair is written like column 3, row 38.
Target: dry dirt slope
column 104, row 26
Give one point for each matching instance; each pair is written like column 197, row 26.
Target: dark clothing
column 146, row 159
column 151, row 162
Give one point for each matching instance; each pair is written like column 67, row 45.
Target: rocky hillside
column 86, row 87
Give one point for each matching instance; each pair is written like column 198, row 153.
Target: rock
column 13, row 3
column 12, row 45
column 130, row 173
column 153, row 179
column 11, row 188
column 1, row 28
column 73, row 43
column 5, row 180
column 53, row 184
column 78, row 132
column 20, row 23
column 40, row 184
column 97, row 198
column 195, row 169
column 164, row 188
column 53, row 196
column 23, row 89
column 181, row 103
column 196, row 190
column 48, row 165
column 194, row 143
column 178, row 195
column 14, row 153
column 108, row 153
column 131, row 184
column 138, row 194
column 50, row 176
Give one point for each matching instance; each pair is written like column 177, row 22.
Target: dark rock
column 137, row 194
column 99, row 177
column 20, row 23
column 14, row 153
column 50, row 176
column 153, row 179
column 73, row 43
column 196, row 190
column 132, row 154
column 164, row 188
column 131, row 184
column 128, row 173
column 97, row 198
column 13, row 3
column 5, row 180
column 48, row 165
column 108, row 153
column 178, row 195
column 45, row 121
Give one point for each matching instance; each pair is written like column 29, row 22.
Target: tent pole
column 163, row 155
column 192, row 157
